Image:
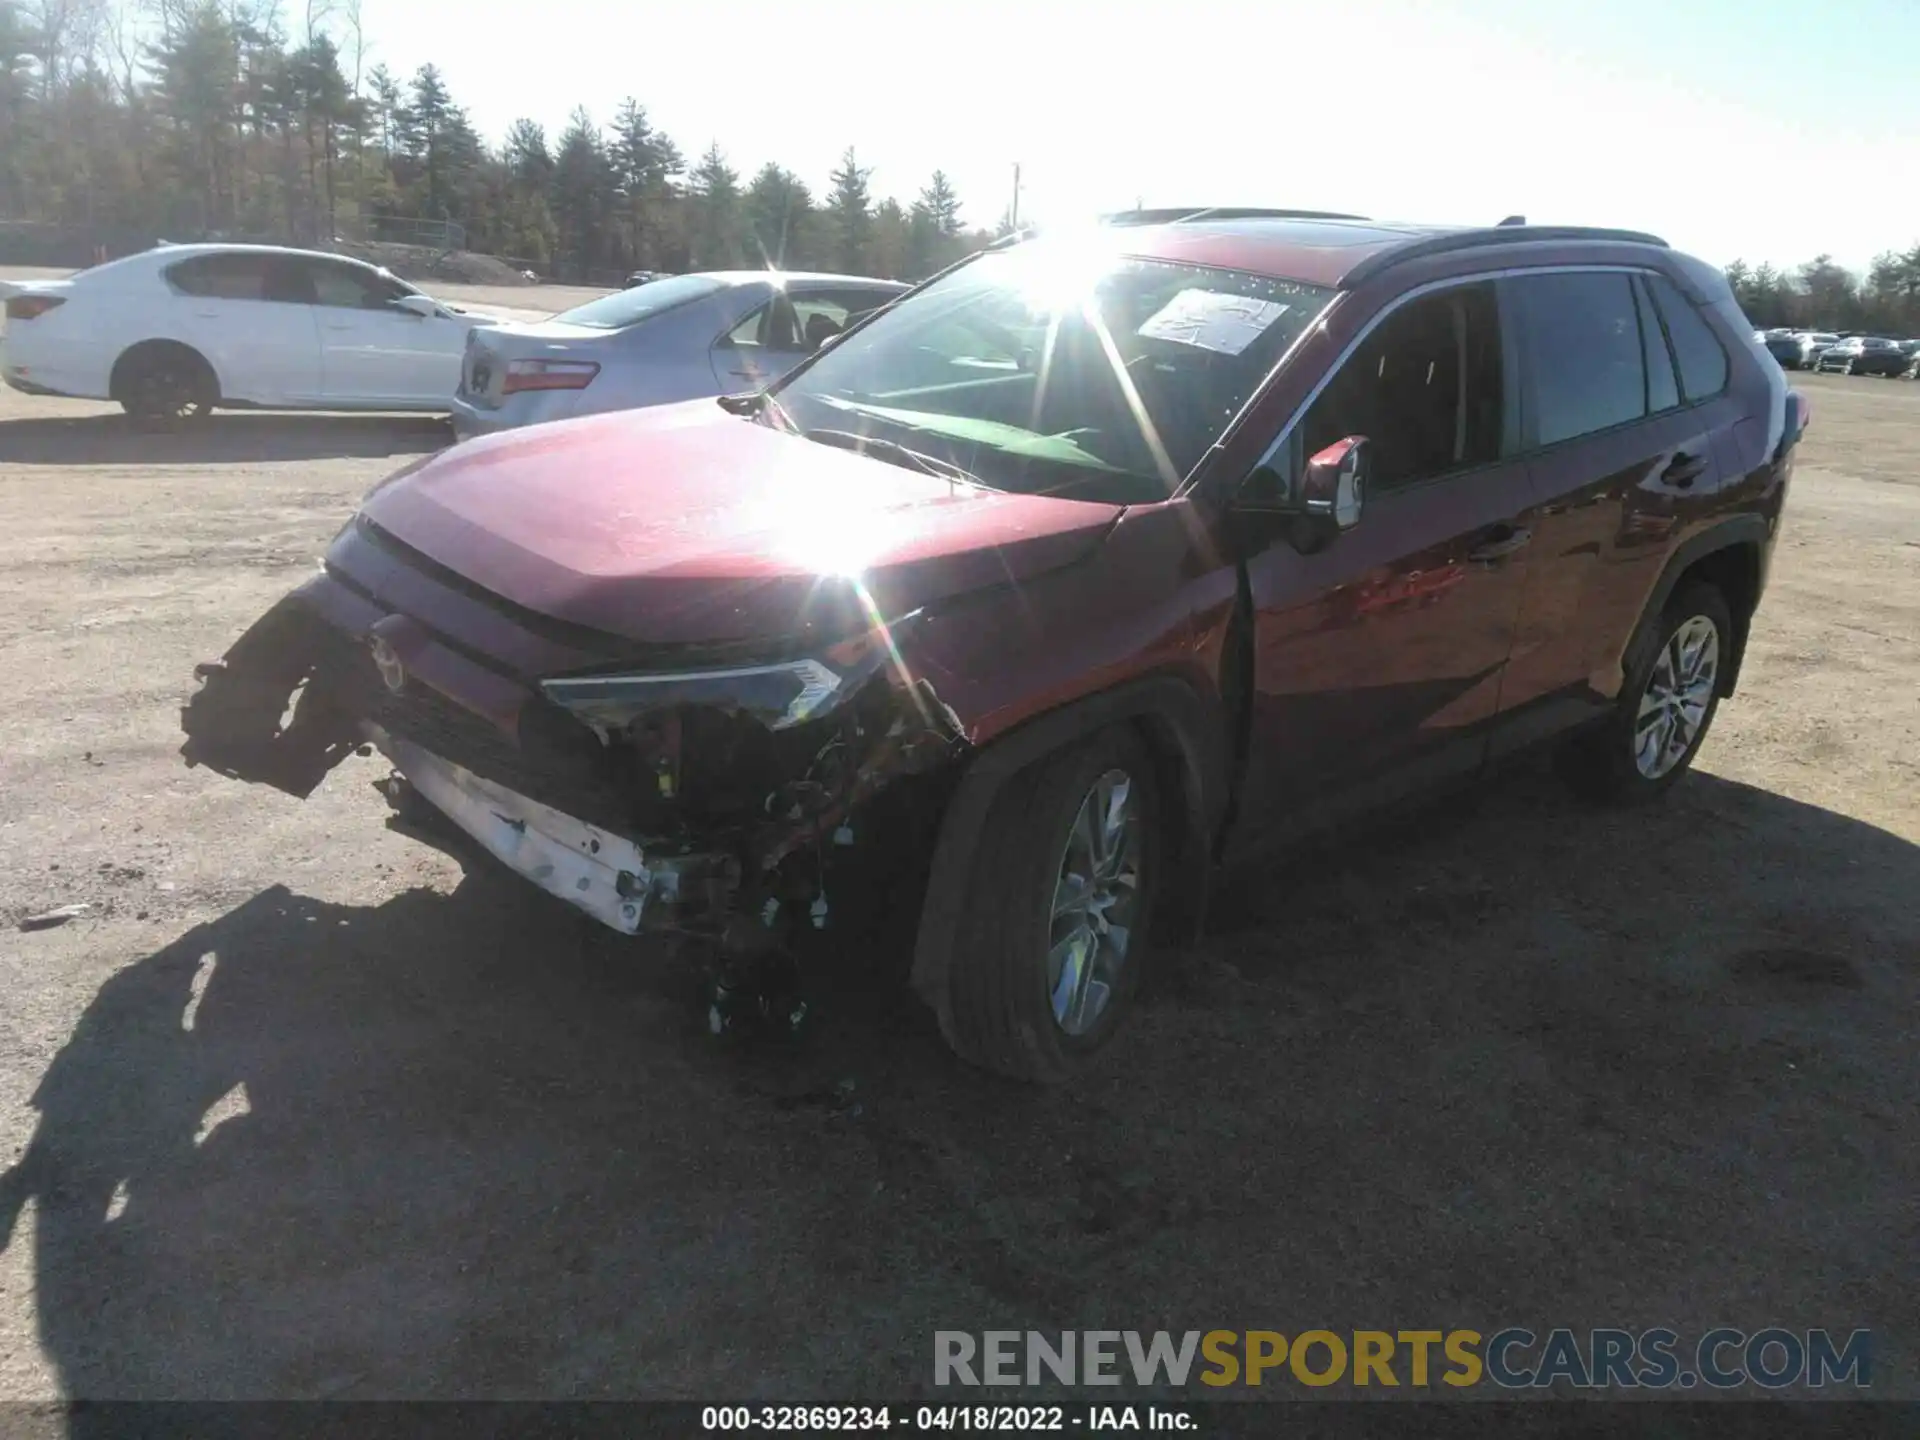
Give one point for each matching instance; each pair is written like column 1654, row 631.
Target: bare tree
column 69, row 34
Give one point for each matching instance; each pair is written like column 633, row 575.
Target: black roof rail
column 1450, row 240
column 1186, row 214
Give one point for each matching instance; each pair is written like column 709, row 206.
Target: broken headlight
column 780, row 695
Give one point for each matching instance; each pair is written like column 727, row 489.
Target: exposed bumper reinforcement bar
column 595, row 870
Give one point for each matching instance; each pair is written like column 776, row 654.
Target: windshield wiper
column 898, row 454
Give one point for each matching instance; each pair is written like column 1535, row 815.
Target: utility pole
column 1013, row 210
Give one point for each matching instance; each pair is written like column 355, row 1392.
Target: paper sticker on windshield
column 1213, row 321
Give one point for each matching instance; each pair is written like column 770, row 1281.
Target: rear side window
column 1663, row 390
column 221, row 277
column 1583, row 348
column 1703, row 363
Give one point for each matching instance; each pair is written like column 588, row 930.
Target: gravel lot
column 298, row 1109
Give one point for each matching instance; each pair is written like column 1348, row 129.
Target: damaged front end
column 703, row 798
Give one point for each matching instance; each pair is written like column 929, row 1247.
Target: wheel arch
column 1184, row 731
column 158, row 345
column 1730, row 556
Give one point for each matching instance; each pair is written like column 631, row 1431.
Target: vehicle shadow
column 222, row 438
column 1496, row 1067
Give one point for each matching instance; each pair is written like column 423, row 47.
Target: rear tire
column 1053, row 939
column 1665, row 707
column 165, row 385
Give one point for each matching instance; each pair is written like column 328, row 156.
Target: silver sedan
column 677, row 338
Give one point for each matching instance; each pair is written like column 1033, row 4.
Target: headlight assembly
column 780, row 695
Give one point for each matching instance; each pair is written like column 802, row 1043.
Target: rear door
column 235, row 308
column 374, row 353
column 1621, row 456
column 1378, row 660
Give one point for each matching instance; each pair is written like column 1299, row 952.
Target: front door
column 371, row 352
column 1378, row 661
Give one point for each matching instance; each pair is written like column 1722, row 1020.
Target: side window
column 818, row 318
column 1663, row 391
column 1583, row 348
column 289, row 281
column 819, row 315
column 1425, row 388
column 221, row 277
column 345, row 287
column 1703, row 363
column 773, row 326
column 747, row 332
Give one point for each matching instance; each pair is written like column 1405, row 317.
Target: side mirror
column 1327, row 497
column 1334, row 485
column 420, row 305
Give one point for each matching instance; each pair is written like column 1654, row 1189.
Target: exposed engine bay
column 704, row 802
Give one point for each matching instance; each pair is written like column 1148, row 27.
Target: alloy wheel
column 1095, row 899
column 1678, row 695
column 169, row 393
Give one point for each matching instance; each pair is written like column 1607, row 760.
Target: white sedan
column 175, row 331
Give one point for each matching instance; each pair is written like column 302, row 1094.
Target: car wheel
column 166, row 385
column 1666, row 707
column 1053, row 940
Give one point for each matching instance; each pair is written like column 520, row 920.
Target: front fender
column 1187, row 730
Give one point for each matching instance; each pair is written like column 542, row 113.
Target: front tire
column 1054, row 936
column 1665, row 708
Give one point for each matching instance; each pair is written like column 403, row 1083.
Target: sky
column 1738, row 129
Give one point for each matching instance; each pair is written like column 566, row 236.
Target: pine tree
column 714, row 188
column 849, row 205
column 777, row 209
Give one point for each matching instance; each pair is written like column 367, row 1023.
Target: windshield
column 1058, row 369
column 629, row 307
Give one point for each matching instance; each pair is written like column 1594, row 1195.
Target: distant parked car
column 643, row 277
column 1911, row 349
column 1790, row 350
column 1863, row 355
column 1813, row 344
column 178, row 331
column 681, row 338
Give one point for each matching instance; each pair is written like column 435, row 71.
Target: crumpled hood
column 685, row 524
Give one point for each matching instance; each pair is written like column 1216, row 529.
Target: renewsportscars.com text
column 1511, row 1358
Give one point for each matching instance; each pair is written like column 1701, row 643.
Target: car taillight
column 28, row 307
column 548, row 375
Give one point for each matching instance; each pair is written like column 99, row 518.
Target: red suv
column 1080, row 570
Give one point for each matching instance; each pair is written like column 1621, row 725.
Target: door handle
column 743, row 374
column 1684, row 469
column 339, row 327
column 1500, row 542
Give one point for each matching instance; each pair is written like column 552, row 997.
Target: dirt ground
column 300, row 1110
